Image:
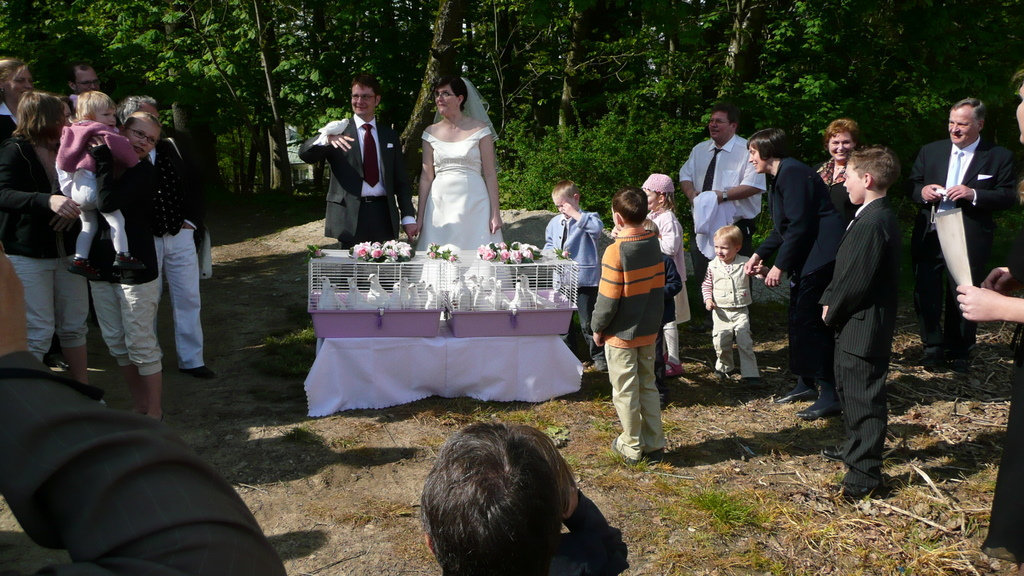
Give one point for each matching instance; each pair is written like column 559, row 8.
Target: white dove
column 328, row 300
column 377, row 296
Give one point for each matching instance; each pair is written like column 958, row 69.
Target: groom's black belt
column 371, row 198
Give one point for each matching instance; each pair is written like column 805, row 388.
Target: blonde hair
column 92, row 103
column 565, row 189
column 731, row 233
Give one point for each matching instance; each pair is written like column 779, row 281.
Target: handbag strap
column 92, row 392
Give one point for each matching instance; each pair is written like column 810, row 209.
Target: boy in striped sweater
column 626, row 321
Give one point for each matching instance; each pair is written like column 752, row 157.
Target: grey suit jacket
column 862, row 297
column 346, row 185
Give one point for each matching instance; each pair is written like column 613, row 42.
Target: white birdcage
column 353, row 298
column 495, row 299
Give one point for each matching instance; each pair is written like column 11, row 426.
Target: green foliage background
column 642, row 73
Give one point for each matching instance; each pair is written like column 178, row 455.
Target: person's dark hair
column 630, row 203
column 369, row 81
column 976, row 105
column 731, row 111
column 131, row 104
column 879, row 161
column 74, row 67
column 490, row 504
column 458, row 86
column 40, row 117
column 769, row 143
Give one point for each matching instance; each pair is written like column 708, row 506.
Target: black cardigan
column 25, row 213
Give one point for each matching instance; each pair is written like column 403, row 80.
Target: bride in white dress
column 458, row 191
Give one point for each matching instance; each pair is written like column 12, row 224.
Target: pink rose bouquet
column 390, row 251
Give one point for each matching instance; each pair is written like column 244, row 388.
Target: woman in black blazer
column 804, row 241
column 38, row 227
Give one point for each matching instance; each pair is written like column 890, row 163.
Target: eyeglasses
column 717, row 121
column 142, row 136
column 445, row 94
column 363, row 96
column 95, row 82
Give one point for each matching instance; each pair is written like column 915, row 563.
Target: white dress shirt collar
column 5, row 111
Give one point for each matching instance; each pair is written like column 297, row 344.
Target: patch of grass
column 289, row 355
column 378, row 511
column 303, row 435
column 727, row 510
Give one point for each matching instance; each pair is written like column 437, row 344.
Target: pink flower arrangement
column 390, row 251
column 447, row 252
column 516, row 253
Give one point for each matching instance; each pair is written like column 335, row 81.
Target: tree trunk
column 747, row 24
column 280, row 169
column 579, row 26
column 441, row 62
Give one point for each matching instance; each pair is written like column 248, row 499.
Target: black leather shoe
column 857, row 493
column 931, row 360
column 809, row 394
column 813, row 413
column 198, row 372
column 654, row 456
column 833, row 453
column 960, row 365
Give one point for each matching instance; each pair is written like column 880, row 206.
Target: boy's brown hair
column 730, row 233
column 565, row 189
column 630, row 203
column 880, row 162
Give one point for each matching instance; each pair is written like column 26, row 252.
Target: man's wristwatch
column 725, row 195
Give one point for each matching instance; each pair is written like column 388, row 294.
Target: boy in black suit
column 860, row 304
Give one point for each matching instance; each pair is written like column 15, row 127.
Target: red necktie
column 371, row 172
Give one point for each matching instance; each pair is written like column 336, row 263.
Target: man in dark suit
column 976, row 176
column 860, row 303
column 369, row 195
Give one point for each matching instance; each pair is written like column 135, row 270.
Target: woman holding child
column 126, row 302
column 37, row 228
column 459, row 184
column 804, row 240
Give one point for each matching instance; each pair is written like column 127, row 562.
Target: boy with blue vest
column 578, row 232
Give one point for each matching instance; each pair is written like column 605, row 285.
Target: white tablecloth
column 351, row 373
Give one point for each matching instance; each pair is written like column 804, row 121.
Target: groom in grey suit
column 369, row 195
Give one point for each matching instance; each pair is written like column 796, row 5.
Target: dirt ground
column 742, row 491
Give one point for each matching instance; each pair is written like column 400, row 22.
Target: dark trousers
column 659, row 363
column 811, row 342
column 374, row 224
column 860, row 383
column 586, row 297
column 700, row 264
column 935, row 295
column 1006, row 531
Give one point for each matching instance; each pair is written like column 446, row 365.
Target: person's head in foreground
column 493, row 502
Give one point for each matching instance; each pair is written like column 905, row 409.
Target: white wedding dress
column 458, row 210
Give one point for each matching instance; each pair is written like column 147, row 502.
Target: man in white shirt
column 719, row 166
